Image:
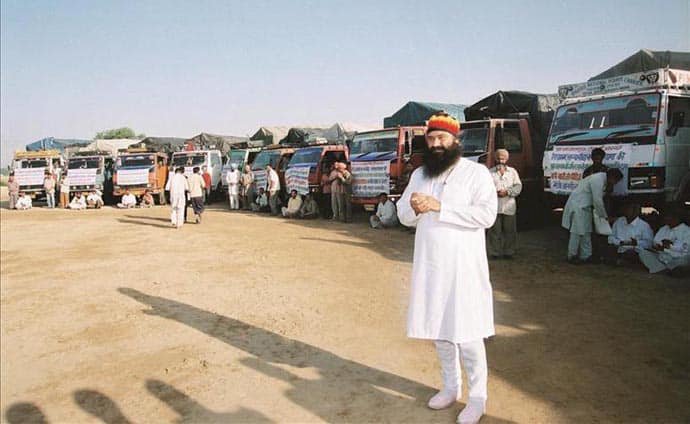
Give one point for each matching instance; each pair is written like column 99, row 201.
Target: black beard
column 436, row 164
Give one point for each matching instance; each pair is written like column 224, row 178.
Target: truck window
column 678, row 114
column 512, row 138
column 418, row 144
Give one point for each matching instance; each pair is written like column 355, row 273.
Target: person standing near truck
column 178, row 197
column 13, row 190
column 196, row 193
column 247, row 188
column 233, row 180
column 207, row 185
column 325, row 198
column 64, row 191
column 503, row 234
column 273, row 189
column 598, row 154
column 337, row 193
column 452, row 201
column 49, row 187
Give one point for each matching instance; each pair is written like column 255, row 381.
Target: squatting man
column 451, row 201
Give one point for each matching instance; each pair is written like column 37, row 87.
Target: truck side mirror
column 483, row 158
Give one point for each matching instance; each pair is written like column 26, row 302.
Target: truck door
column 215, row 169
column 677, row 140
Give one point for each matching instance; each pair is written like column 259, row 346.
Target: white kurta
column 178, row 187
column 589, row 195
column 450, row 296
column 638, row 229
column 233, row 180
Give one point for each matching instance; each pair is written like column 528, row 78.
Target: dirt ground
column 112, row 316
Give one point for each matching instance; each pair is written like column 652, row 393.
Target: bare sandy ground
column 113, row 316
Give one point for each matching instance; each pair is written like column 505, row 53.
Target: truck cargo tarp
column 267, row 136
column 220, row 142
column 302, row 136
column 111, row 145
column 647, row 60
column 52, row 143
column 508, row 104
column 165, row 144
column 417, row 113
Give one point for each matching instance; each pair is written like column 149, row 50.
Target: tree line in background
column 124, row 132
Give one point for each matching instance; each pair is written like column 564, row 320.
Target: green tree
column 123, row 132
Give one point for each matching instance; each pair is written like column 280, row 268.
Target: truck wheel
column 161, row 198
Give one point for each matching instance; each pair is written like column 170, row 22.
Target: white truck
column 211, row 159
column 29, row 169
column 641, row 120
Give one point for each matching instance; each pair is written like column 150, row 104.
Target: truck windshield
column 625, row 118
column 383, row 141
column 34, row 163
column 83, row 163
column 237, row 156
column 188, row 159
column 308, row 155
column 265, row 158
column 474, row 139
column 135, row 161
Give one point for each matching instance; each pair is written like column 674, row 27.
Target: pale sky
column 177, row 68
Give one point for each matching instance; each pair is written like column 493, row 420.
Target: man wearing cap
column 451, row 201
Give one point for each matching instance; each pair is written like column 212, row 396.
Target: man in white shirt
column 178, row 187
column 197, row 187
column 578, row 214
column 628, row 234
column 23, row 202
column 386, row 215
column 233, row 180
column 78, row 202
column 128, row 201
column 94, row 200
column 671, row 248
column 293, row 206
column 273, row 189
column 503, row 234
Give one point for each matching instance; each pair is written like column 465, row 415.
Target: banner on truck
column 30, row 176
column 568, row 163
column 297, row 178
column 81, row 177
column 132, row 176
column 369, row 179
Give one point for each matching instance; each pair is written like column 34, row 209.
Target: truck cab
column 276, row 156
column 87, row 171
column 239, row 158
column 30, row 167
column 139, row 170
column 318, row 160
column 211, row 159
column 640, row 120
column 382, row 161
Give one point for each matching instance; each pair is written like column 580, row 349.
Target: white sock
column 472, row 412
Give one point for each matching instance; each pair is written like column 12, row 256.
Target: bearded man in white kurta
column 451, row 201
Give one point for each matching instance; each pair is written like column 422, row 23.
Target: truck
column 382, row 161
column 518, row 122
column 239, row 158
column 30, row 167
column 309, row 164
column 91, row 170
column 211, row 159
column 278, row 157
column 138, row 170
column 641, row 120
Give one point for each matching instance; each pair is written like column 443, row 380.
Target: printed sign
column 81, row 177
column 630, row 82
column 297, row 178
column 132, row 176
column 30, row 176
column 369, row 179
column 259, row 179
column 568, row 162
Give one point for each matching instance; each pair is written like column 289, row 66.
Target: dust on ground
column 112, row 315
